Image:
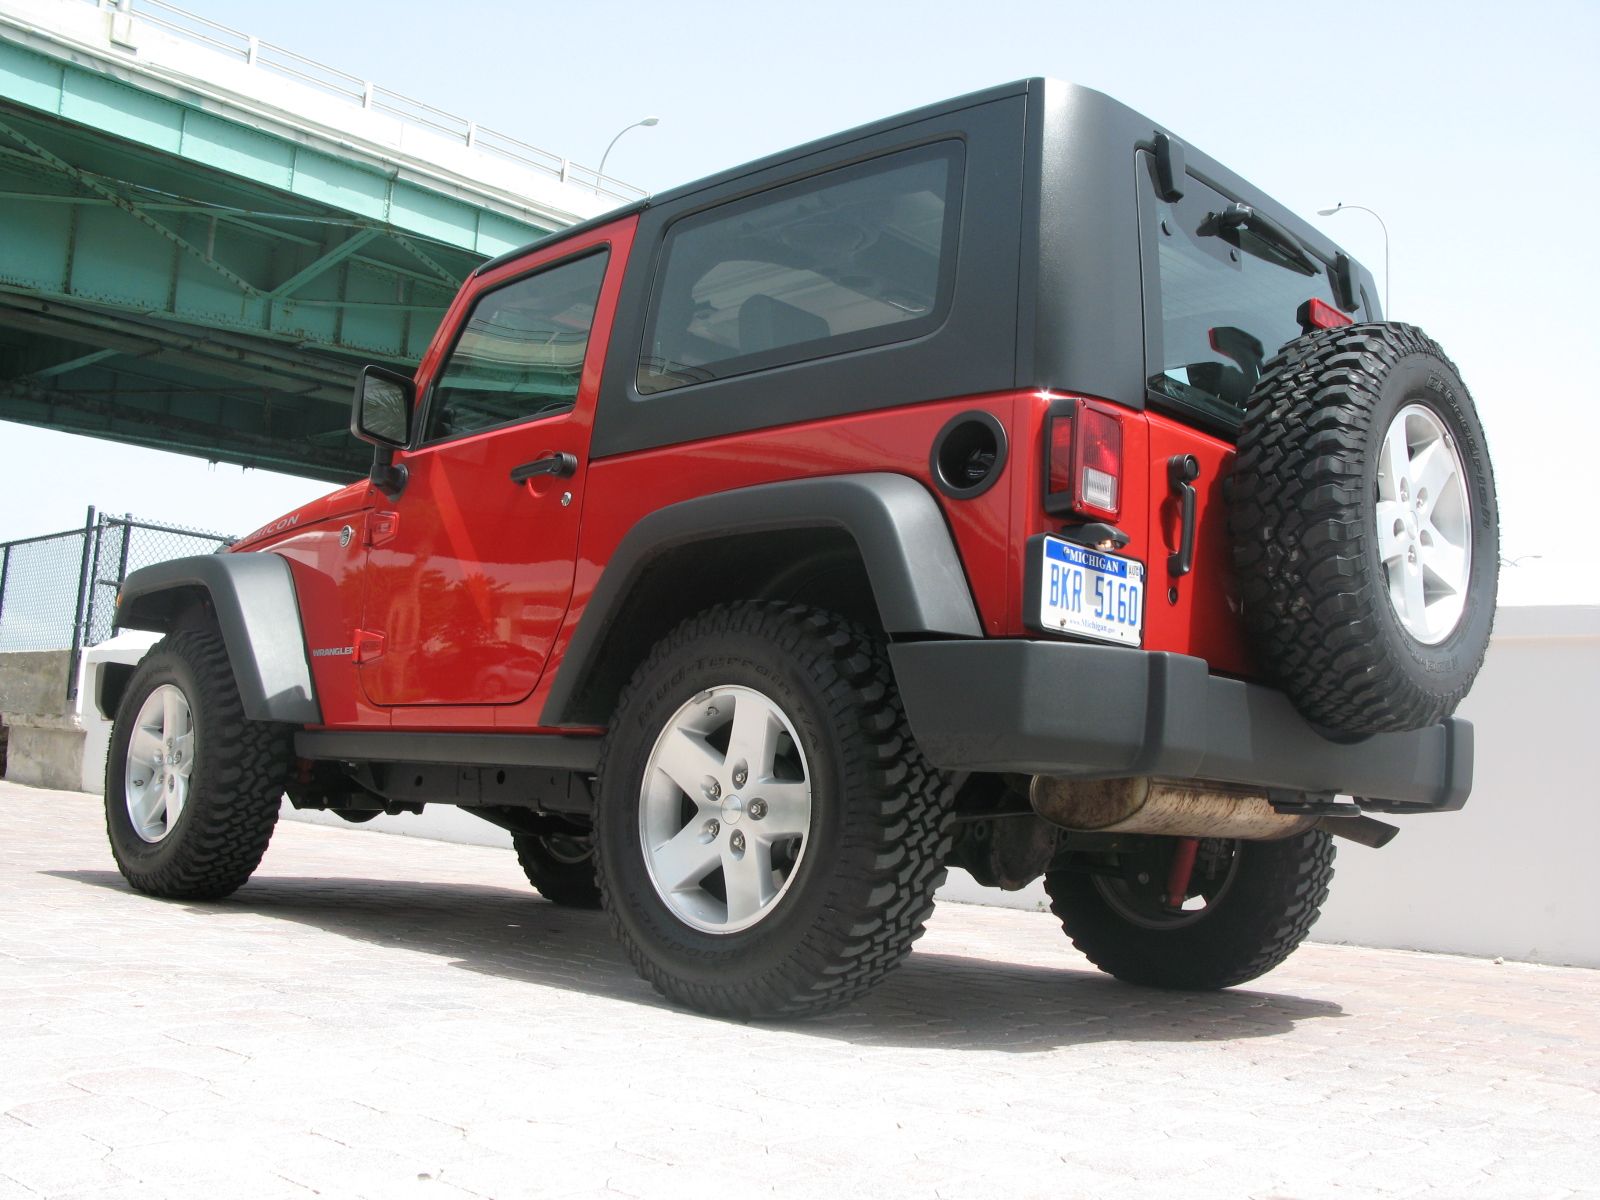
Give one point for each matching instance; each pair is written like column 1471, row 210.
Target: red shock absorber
column 1181, row 870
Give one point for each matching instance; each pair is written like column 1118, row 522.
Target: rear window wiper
column 1258, row 234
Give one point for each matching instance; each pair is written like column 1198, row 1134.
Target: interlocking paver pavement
column 376, row 1016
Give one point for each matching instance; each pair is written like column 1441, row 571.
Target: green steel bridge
column 203, row 236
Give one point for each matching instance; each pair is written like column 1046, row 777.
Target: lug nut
column 740, row 774
column 736, row 842
column 713, row 827
column 757, row 809
column 714, row 790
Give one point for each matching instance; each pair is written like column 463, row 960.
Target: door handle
column 1182, row 471
column 560, row 464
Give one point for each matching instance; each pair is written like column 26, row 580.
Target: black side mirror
column 381, row 414
column 382, row 410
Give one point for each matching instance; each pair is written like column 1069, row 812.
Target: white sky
column 1469, row 126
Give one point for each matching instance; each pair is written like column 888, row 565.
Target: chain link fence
column 58, row 591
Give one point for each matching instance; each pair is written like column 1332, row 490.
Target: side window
column 859, row 256
column 520, row 351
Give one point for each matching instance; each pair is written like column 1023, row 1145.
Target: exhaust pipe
column 1167, row 807
column 1176, row 808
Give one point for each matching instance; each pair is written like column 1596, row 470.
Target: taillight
column 1317, row 314
column 1083, row 468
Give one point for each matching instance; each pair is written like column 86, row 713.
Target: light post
column 1340, row 207
column 600, row 175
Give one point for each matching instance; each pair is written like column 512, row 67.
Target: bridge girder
column 172, row 279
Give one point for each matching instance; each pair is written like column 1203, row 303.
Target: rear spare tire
column 1365, row 528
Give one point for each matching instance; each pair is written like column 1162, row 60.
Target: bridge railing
column 363, row 93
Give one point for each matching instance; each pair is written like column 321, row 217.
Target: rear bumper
column 1103, row 712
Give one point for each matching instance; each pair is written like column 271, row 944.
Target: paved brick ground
column 376, row 1016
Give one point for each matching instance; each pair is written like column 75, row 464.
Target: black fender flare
column 906, row 548
column 252, row 598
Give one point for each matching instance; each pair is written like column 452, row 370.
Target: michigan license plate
column 1090, row 593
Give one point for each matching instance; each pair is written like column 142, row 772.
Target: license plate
column 1090, row 593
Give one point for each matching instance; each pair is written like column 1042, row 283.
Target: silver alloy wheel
column 725, row 809
column 1424, row 524
column 160, row 761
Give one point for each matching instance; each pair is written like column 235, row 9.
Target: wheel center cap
column 732, row 810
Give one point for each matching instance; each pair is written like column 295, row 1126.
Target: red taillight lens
column 1059, row 435
column 1083, row 464
column 1317, row 314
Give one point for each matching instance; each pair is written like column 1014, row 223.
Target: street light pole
column 1340, row 207
column 600, row 175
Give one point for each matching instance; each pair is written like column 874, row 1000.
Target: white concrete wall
column 1512, row 874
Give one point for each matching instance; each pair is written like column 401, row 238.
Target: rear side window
column 856, row 257
column 520, row 351
column 1228, row 303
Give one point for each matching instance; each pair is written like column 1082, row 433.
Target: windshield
column 1228, row 302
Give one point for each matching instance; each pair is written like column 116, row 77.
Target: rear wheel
column 560, row 866
column 1246, row 908
column 192, row 785
column 768, row 836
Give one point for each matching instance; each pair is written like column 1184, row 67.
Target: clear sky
column 1469, row 126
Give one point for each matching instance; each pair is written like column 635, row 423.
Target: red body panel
column 468, row 581
column 622, row 490
column 1204, row 618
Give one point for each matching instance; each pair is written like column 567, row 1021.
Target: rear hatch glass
column 1230, row 284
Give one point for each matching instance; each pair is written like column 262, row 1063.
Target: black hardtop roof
column 1086, row 106
column 956, row 104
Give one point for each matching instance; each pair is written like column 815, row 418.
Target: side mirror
column 382, row 410
column 382, row 415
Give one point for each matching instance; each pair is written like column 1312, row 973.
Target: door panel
column 469, row 572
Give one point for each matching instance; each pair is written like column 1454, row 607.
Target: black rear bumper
column 1103, row 712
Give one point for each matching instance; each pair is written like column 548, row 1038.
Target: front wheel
column 192, row 785
column 560, row 866
column 1246, row 908
column 767, row 835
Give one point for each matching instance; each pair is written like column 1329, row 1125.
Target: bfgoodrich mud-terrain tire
column 1365, row 528
column 561, row 869
column 768, row 837
column 1251, row 905
column 192, row 786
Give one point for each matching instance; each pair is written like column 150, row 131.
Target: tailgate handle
column 1182, row 471
column 560, row 464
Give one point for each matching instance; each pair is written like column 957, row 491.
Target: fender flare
column 910, row 558
column 253, row 599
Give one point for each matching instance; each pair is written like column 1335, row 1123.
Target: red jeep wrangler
column 1005, row 484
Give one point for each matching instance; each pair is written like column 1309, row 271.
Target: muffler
column 1169, row 807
